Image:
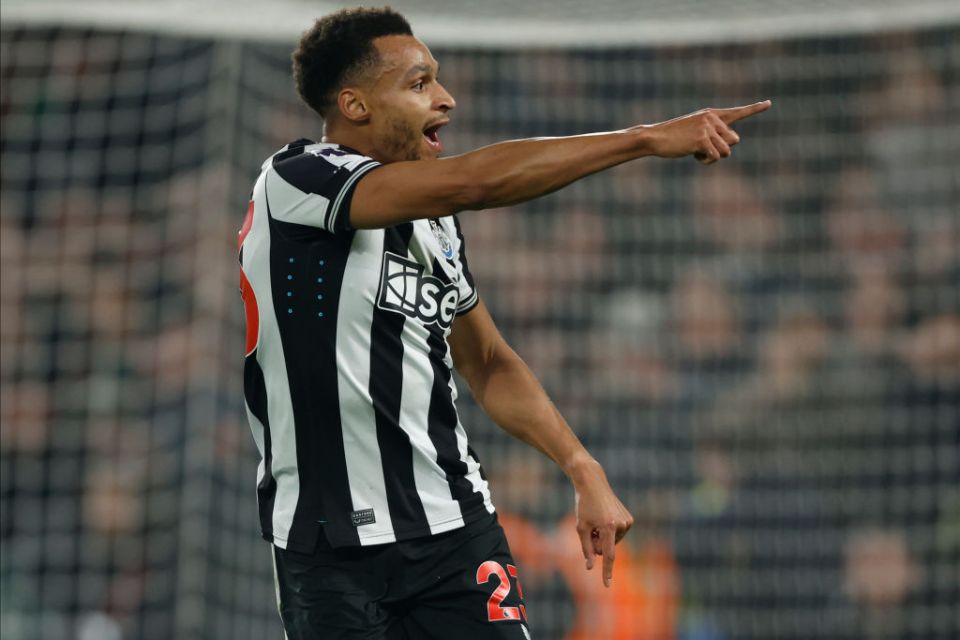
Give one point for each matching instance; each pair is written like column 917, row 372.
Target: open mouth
column 432, row 136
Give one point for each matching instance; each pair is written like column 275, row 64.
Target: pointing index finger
column 731, row 115
column 608, row 546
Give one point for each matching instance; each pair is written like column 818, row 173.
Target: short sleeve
column 468, row 290
column 313, row 185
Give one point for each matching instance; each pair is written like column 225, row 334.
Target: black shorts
column 460, row 584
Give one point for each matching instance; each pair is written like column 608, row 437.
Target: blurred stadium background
column 765, row 354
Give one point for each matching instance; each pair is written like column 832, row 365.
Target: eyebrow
column 418, row 69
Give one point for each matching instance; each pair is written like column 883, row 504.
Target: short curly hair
column 338, row 48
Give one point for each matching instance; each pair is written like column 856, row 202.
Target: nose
column 444, row 100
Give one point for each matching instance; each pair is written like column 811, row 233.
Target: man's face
column 407, row 103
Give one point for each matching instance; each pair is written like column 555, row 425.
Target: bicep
column 402, row 191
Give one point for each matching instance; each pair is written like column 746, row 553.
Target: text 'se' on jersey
column 347, row 375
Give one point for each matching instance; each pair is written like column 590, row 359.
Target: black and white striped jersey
column 348, row 373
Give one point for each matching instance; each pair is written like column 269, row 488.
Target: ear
column 353, row 105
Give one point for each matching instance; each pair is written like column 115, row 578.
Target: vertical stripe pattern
column 360, row 442
column 386, row 390
column 442, row 424
column 349, row 389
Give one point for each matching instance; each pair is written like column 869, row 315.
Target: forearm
column 513, row 398
column 497, row 175
column 511, row 395
column 520, row 170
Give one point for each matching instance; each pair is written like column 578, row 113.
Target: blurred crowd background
column 764, row 354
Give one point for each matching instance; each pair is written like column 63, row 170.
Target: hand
column 602, row 520
column 706, row 133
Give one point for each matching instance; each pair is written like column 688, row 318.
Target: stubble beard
column 401, row 143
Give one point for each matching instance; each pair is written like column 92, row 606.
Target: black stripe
column 465, row 269
column 292, row 149
column 386, row 390
column 442, row 422
column 299, row 232
column 311, row 173
column 255, row 391
column 309, row 347
column 463, row 255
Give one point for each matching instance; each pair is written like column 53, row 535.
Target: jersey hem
column 471, row 516
column 420, row 532
column 287, row 544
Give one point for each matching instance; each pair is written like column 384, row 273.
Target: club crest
column 445, row 245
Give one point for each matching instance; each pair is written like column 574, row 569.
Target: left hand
column 602, row 520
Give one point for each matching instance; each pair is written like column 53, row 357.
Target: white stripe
column 290, row 204
column 257, row 429
column 360, row 446
column 256, row 261
column 473, row 466
column 334, row 212
column 473, row 469
column 442, row 511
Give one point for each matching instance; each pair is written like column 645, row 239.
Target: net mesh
column 764, row 354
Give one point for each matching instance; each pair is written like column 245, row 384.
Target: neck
column 349, row 137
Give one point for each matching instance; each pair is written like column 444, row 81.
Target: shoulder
column 322, row 168
column 337, row 155
column 319, row 154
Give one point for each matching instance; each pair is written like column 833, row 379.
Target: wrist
column 581, row 467
column 643, row 139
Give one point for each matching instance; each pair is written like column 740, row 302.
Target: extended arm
column 520, row 170
column 513, row 398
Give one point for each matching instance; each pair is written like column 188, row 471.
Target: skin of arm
column 519, row 170
column 512, row 397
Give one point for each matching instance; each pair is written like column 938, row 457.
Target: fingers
column 622, row 530
column 608, row 547
column 716, row 143
column 602, row 541
column 731, row 115
column 706, row 134
column 708, row 153
column 586, row 545
column 720, row 145
column 601, row 522
column 729, row 135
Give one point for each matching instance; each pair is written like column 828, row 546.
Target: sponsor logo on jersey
column 405, row 289
column 445, row 245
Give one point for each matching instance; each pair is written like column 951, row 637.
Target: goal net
column 764, row 354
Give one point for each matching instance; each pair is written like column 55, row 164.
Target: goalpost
column 763, row 354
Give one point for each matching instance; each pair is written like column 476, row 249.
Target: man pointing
column 360, row 302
